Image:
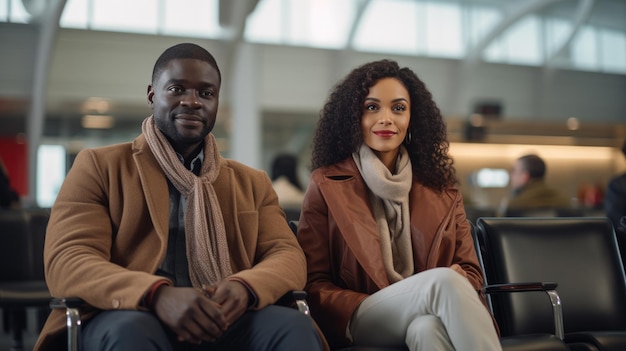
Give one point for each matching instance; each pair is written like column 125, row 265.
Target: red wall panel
column 14, row 154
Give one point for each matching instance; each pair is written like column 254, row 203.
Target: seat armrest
column 71, row 306
column 519, row 287
column 548, row 287
column 66, row 302
column 297, row 299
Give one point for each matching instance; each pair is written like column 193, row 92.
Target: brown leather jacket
column 339, row 236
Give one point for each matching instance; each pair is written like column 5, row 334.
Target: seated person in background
column 528, row 187
column 615, row 198
column 9, row 198
column 391, row 261
column 171, row 246
column 285, row 181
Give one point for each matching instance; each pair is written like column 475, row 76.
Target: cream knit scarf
column 389, row 196
column 205, row 234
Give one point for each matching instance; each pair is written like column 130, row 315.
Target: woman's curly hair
column 338, row 133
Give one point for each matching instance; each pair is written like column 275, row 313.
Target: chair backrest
column 22, row 235
column 580, row 254
column 16, row 258
column 293, row 225
column 544, row 212
column 292, row 213
column 38, row 221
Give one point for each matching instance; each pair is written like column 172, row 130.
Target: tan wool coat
column 108, row 233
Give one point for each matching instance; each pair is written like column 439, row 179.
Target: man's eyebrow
column 182, row 81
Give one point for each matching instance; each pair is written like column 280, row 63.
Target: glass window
column 520, row 44
column 495, row 51
column 388, row 26
column 585, row 49
column 196, row 18
column 50, row 173
column 433, row 28
column 523, row 44
column 265, row 24
column 556, row 32
column 18, row 13
column 137, row 16
column 613, row 45
column 443, row 29
column 75, row 14
column 4, row 10
column 491, row 178
column 320, row 23
column 482, row 20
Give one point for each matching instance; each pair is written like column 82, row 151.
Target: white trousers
column 437, row 309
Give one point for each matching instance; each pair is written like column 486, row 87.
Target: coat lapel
column 348, row 202
column 153, row 181
column 227, row 197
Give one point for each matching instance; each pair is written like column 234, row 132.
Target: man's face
column 184, row 101
column 519, row 176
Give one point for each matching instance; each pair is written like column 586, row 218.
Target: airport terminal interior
column 510, row 78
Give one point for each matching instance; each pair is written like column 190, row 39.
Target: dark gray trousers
column 271, row 328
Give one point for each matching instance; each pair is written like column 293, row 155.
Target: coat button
column 116, row 303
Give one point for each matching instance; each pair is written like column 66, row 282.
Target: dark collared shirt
column 175, row 265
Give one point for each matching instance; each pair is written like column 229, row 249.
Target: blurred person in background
column 615, row 198
column 285, row 181
column 9, row 198
column 528, row 187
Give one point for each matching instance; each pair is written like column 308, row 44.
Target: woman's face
column 385, row 120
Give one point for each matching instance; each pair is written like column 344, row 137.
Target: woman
column 390, row 257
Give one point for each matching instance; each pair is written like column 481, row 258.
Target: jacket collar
column 348, row 201
column 154, row 181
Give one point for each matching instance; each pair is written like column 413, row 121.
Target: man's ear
column 150, row 95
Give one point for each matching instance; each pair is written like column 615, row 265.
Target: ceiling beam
column 48, row 28
column 580, row 17
column 474, row 54
column 233, row 15
column 356, row 22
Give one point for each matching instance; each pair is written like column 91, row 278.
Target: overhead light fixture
column 96, row 105
column 97, row 121
column 572, row 123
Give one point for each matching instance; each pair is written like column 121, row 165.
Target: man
column 615, row 199
column 529, row 190
column 170, row 245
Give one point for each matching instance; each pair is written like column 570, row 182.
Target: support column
column 245, row 138
column 48, row 23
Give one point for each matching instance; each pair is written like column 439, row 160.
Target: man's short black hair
column 534, row 165
column 183, row 51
